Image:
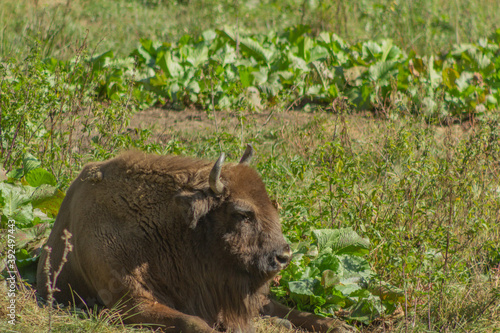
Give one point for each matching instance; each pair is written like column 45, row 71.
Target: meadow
column 375, row 125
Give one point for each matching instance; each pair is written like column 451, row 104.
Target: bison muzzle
column 180, row 243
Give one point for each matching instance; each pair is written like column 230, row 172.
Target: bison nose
column 284, row 257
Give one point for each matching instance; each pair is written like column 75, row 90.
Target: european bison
column 180, row 243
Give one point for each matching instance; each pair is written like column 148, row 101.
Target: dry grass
column 33, row 316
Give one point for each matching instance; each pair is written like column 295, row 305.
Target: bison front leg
column 154, row 314
column 305, row 320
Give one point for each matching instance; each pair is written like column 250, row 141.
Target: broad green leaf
column 463, row 82
column 371, row 51
column 28, row 269
column 476, row 59
column 434, row 77
column 325, row 37
column 193, row 87
column 316, row 66
column 42, row 193
column 353, row 269
column 16, row 173
column 297, row 63
column 246, row 77
column 253, row 97
column 310, row 272
column 297, row 32
column 224, row 102
column 23, row 215
column 208, row 35
column 22, row 254
column 333, row 91
column 382, row 71
column 184, row 40
column 256, row 50
column 142, row 56
column 348, row 288
column 159, row 80
column 354, row 75
column 359, row 96
column 39, row 176
column 344, row 240
column 147, row 45
column 30, row 162
column 326, row 261
column 100, row 61
column 302, row 287
column 329, row 279
column 304, row 46
column 32, row 238
column 226, row 55
column 390, row 52
column 270, row 89
column 27, row 265
column 317, row 53
column 198, row 56
column 16, row 205
column 227, row 33
column 366, row 310
column 248, row 45
column 13, row 198
column 170, row 67
column 285, row 75
column 314, row 90
column 449, row 77
column 418, row 65
column 48, row 199
column 260, row 77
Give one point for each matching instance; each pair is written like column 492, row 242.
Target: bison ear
column 193, row 206
column 247, row 155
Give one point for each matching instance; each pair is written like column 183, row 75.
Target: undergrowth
column 420, row 198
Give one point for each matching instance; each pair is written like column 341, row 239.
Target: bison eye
column 242, row 216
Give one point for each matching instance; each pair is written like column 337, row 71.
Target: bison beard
column 179, row 243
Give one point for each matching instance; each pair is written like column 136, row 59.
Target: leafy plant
column 31, row 198
column 331, row 273
column 222, row 69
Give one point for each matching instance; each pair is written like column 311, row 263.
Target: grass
column 34, row 318
column 427, row 26
column 427, row 196
column 429, row 205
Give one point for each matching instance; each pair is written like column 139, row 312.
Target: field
column 375, row 125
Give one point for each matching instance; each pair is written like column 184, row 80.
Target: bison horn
column 247, row 155
column 214, row 178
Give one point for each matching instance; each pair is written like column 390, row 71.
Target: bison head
column 240, row 223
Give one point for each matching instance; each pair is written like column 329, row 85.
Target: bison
column 180, row 243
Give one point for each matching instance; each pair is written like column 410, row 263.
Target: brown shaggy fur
column 148, row 231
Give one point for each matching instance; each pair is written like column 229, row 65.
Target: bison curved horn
column 214, row 178
column 247, row 155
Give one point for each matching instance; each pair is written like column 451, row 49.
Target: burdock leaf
column 449, row 77
column 341, row 241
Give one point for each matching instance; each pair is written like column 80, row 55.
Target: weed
column 52, row 276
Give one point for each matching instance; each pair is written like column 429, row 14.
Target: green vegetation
column 223, row 70
column 426, row 26
column 331, row 274
column 393, row 214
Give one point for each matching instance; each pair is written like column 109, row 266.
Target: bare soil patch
column 195, row 120
column 298, row 128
